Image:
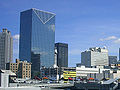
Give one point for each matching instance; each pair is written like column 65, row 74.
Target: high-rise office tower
column 95, row 56
column 112, row 59
column 62, row 54
column 37, row 37
column 6, row 48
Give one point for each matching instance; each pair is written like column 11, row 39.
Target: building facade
column 50, row 73
column 94, row 57
column 6, row 77
column 112, row 59
column 62, row 54
column 83, row 71
column 37, row 37
column 6, row 48
column 21, row 68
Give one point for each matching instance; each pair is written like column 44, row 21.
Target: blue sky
column 80, row 23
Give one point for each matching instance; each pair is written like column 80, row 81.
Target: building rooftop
column 8, row 72
column 40, row 10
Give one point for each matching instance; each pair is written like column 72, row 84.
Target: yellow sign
column 69, row 74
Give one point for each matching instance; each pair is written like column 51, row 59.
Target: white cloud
column 114, row 39
column 16, row 37
column 108, row 38
column 117, row 41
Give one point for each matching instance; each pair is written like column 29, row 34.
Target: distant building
column 112, row 59
column 21, row 68
column 37, row 38
column 94, row 57
column 6, row 48
column 50, row 73
column 62, row 54
column 117, row 65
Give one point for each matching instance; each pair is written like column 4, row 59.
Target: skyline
column 81, row 24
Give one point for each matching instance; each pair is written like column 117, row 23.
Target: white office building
column 83, row 71
column 95, row 56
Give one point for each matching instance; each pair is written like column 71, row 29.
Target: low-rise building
column 50, row 73
column 55, row 73
column 84, row 71
column 21, row 68
column 6, row 77
column 115, row 65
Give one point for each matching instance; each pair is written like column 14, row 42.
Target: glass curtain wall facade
column 37, row 37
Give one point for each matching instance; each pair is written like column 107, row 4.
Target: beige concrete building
column 21, row 68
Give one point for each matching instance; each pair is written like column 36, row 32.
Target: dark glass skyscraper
column 37, row 37
column 62, row 54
